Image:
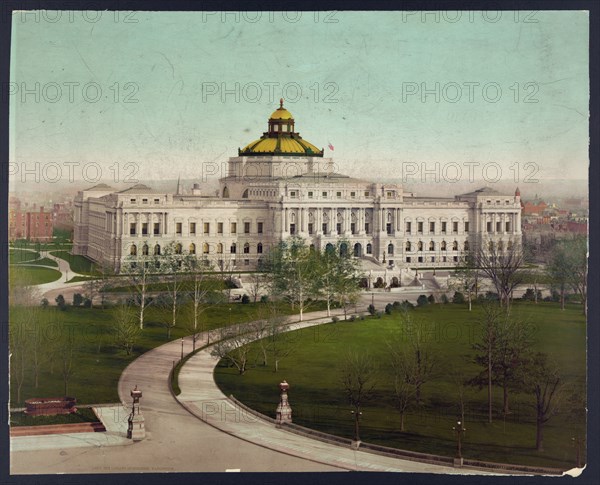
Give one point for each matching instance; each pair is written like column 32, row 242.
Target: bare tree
column 65, row 351
column 544, row 382
column 358, row 379
column 174, row 264
column 18, row 346
column 404, row 393
column 257, row 283
column 126, row 332
column 466, row 281
column 91, row 288
column 232, row 346
column 502, row 264
column 140, row 275
column 578, row 268
column 557, row 270
column 200, row 290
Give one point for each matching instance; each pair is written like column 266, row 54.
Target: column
column 286, row 225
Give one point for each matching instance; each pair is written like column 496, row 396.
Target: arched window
column 491, row 246
column 443, row 246
column 343, row 249
column 259, row 248
column 133, row 250
column 157, row 250
column 246, row 248
column 420, row 246
column 500, row 245
column 509, row 246
column 178, row 248
column 357, row 250
column 390, row 248
column 466, row 245
column 145, row 250
column 233, row 248
column 220, row 248
column 329, row 248
column 192, row 248
column 245, row 194
column 225, row 193
column 431, row 246
column 455, row 246
column 369, row 248
column 205, row 248
column 408, row 246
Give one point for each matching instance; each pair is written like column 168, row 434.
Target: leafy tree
column 578, row 268
column 232, row 346
column 60, row 302
column 245, row 299
column 458, row 298
column 45, row 302
column 422, row 301
column 293, row 274
column 126, row 331
column 199, row 294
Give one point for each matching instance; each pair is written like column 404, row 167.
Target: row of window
column 144, row 201
column 206, row 249
column 193, row 228
column 432, row 225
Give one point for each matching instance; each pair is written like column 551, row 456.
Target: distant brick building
column 34, row 226
column 530, row 208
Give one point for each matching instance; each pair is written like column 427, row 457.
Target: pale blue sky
column 371, row 58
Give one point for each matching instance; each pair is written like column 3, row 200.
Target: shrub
column 422, row 300
column 458, row 298
column 371, row 309
column 335, row 319
column 388, row 309
column 396, row 305
column 444, row 298
column 352, row 318
column 379, row 314
column 77, row 299
column 264, row 299
column 60, row 302
column 490, row 295
column 45, row 302
column 245, row 299
column 87, row 303
column 431, row 298
column 407, row 305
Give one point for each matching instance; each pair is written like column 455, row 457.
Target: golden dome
column 281, row 139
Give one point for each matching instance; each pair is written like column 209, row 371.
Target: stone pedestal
column 284, row 411
column 458, row 462
column 136, row 429
column 355, row 444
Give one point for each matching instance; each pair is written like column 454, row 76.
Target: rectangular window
column 157, row 201
column 367, row 228
column 408, row 259
column 339, row 228
column 389, row 194
column 132, row 201
column 144, row 201
column 233, row 249
column 310, row 195
column 144, row 228
column 353, row 228
column 310, row 228
column 206, row 227
column 292, row 229
column 433, row 259
column 260, row 227
column 234, row 228
column 408, row 227
column 259, row 248
column 489, row 227
column 353, row 194
column 178, row 226
column 324, row 194
column 420, row 259
column 454, row 227
column 498, row 227
column 388, row 228
column 508, row 227
column 219, row 227
column 192, row 228
column 324, row 228
column 246, row 262
column 367, row 193
column 466, row 227
column 444, row 224
column 431, row 227
column 338, row 195
column 246, row 228
column 293, row 194
column 455, row 258
column 420, row 227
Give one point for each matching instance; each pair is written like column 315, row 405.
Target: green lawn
column 98, row 363
column 77, row 263
column 318, row 400
column 19, row 256
column 82, row 415
column 43, row 262
column 42, row 246
column 186, row 285
column 20, row 275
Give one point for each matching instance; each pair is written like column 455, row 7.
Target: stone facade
column 267, row 197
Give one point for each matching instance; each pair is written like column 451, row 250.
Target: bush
column 361, row 318
column 245, row 299
column 490, row 295
column 45, row 302
column 422, row 300
column 264, row 299
column 431, row 298
column 60, row 302
column 530, row 295
column 407, row 305
column 458, row 298
column 87, row 303
column 396, row 305
column 371, row 309
column 444, row 298
column 379, row 314
column 352, row 318
column 335, row 319
column 388, row 309
column 77, row 299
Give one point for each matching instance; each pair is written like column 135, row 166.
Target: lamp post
column 357, row 414
column 181, row 348
column 459, row 431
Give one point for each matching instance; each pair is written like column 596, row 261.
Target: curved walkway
column 201, row 397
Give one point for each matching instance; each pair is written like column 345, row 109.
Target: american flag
column 330, row 146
